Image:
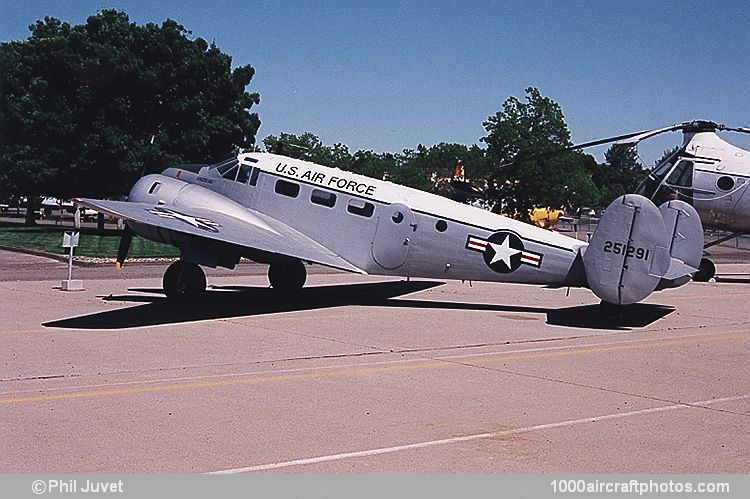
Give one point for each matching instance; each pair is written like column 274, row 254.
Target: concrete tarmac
column 366, row 374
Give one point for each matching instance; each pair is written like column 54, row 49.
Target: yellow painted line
column 370, row 370
column 614, row 348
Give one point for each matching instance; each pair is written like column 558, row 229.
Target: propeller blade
column 122, row 250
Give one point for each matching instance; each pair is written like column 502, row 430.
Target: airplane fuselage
column 387, row 229
column 282, row 211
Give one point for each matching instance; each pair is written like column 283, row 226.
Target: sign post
column 70, row 240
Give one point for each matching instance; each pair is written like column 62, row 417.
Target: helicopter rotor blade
column 636, row 138
column 632, row 139
column 571, row 148
column 735, row 129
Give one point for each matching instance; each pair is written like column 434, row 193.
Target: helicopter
column 706, row 172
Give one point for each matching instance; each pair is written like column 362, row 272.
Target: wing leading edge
column 256, row 231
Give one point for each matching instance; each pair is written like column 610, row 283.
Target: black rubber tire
column 287, row 277
column 706, row 270
column 184, row 281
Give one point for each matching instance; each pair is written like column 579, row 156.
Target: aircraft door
column 390, row 246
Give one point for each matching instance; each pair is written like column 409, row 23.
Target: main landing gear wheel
column 287, row 277
column 184, row 281
column 706, row 270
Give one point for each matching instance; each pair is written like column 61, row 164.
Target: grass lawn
column 90, row 244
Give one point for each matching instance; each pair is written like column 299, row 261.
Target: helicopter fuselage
column 708, row 173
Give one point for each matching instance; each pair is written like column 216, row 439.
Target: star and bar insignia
column 199, row 222
column 503, row 252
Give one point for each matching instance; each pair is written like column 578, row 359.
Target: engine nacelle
column 167, row 191
column 160, row 190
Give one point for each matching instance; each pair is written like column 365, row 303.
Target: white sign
column 70, row 239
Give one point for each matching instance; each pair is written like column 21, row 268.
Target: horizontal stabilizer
column 678, row 270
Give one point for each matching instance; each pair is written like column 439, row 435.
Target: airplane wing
column 255, row 230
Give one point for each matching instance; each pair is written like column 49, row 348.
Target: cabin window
column 254, row 176
column 244, row 174
column 154, row 188
column 397, row 217
column 441, row 226
column 287, row 188
column 725, row 183
column 360, row 207
column 324, row 198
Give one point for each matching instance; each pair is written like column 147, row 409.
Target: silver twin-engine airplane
column 282, row 211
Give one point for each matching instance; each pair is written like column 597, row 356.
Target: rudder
column 686, row 231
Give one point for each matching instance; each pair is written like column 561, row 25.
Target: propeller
column 122, row 249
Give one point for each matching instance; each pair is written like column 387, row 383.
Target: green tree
column 521, row 132
column 80, row 104
column 418, row 168
column 309, row 147
column 620, row 173
column 666, row 155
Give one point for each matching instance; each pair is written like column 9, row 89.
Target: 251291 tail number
column 629, row 251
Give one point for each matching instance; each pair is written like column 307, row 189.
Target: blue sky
column 387, row 75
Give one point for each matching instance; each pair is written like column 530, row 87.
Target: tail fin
column 638, row 248
column 684, row 226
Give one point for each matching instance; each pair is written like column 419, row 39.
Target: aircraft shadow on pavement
column 222, row 302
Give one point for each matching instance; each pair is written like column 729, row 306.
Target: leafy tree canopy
column 80, row 104
column 665, row 156
column 619, row 174
column 524, row 130
column 422, row 168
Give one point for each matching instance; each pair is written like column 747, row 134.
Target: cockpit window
column 682, row 175
column 669, row 181
column 230, row 173
column 224, row 162
column 225, row 165
column 244, row 174
column 661, row 171
column 651, row 183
